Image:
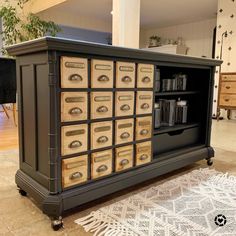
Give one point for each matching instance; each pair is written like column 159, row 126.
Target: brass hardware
column 102, row 109
column 102, row 98
column 144, row 106
column 75, row 164
column 144, row 132
column 144, row 123
column 76, row 175
column 144, row 149
column 101, row 168
column 226, row 99
column 103, row 78
column 126, row 79
column 146, row 69
column 75, row 78
column 74, row 99
column 124, row 135
column 125, row 107
column 125, row 153
column 102, row 139
column 123, row 126
column 103, row 67
column 145, row 97
column 75, row 132
column 75, row 111
column 126, row 68
column 228, row 87
column 102, row 158
column 143, row 157
column 124, row 162
column 125, row 98
column 75, row 144
column 74, row 65
column 102, row 129
column 146, row 79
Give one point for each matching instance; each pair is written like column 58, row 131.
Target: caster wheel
column 57, row 224
column 209, row 162
column 22, row 192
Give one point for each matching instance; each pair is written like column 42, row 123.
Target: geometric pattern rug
column 200, row 203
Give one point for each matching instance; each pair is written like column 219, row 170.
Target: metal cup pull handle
column 76, row 175
column 102, row 109
column 75, row 78
column 143, row 157
column 101, row 168
column 228, row 87
column 124, row 135
column 125, row 107
column 124, row 162
column 146, row 79
column 75, row 144
column 103, row 78
column 144, row 132
column 102, row 139
column 75, row 111
column 126, row 79
column 145, row 106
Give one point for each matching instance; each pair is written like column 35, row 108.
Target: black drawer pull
column 102, row 109
column 143, row 157
column 176, row 132
column 76, row 175
column 101, row 168
column 102, row 139
column 103, row 78
column 126, row 79
column 75, row 111
column 146, row 79
column 75, row 144
column 144, row 132
column 145, row 106
column 125, row 107
column 124, row 135
column 228, row 87
column 75, row 78
column 124, row 162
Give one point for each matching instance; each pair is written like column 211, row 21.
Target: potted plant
column 154, row 41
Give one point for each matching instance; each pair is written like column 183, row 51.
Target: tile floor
column 20, row 216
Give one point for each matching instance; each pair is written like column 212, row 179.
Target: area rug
column 200, row 203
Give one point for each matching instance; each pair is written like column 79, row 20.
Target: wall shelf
column 175, row 93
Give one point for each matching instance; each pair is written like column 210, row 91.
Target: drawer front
column 124, row 103
column 101, row 74
column 74, row 171
column 228, row 100
column 125, row 75
column 228, row 87
column 124, row 157
column 143, row 153
column 74, row 139
column 74, row 106
column 145, row 76
column 144, row 102
column 124, row 131
column 101, row 163
column 143, row 127
column 101, row 104
column 229, row 77
column 101, row 134
column 74, row 72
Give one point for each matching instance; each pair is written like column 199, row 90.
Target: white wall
column 197, row 36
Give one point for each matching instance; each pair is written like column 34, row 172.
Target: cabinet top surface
column 82, row 47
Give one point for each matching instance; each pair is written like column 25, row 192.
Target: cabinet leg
column 57, row 223
column 228, row 114
column 22, row 192
column 209, row 162
column 218, row 114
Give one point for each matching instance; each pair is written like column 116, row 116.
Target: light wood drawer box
column 124, row 157
column 143, row 153
column 101, row 104
column 144, row 102
column 74, row 171
column 124, row 131
column 229, row 77
column 74, row 139
column 124, row 105
column 101, row 164
column 145, row 76
column 101, row 134
column 101, row 74
column 125, row 75
column 228, row 87
column 74, row 106
column 228, row 100
column 143, row 127
column 74, row 72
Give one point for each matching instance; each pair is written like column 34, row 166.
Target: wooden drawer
column 143, row 127
column 144, row 102
column 143, row 153
column 124, row 103
column 228, row 77
column 124, row 131
column 74, row 72
column 101, row 164
column 74, row 139
column 228, row 100
column 101, row 104
column 145, row 76
column 124, row 157
column 228, row 87
column 125, row 75
column 74, row 106
column 101, row 134
column 101, row 74
column 74, row 171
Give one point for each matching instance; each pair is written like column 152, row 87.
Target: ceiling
column 154, row 13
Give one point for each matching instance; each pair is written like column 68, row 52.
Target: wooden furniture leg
column 14, row 113
column 228, row 114
column 5, row 110
column 218, row 114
